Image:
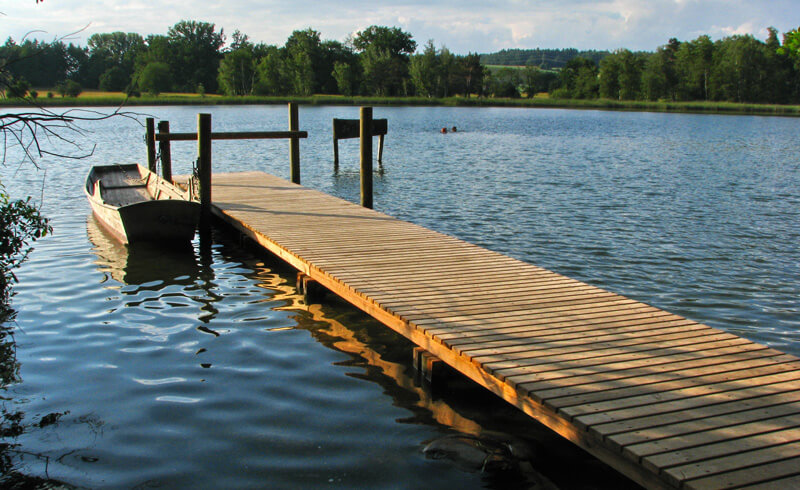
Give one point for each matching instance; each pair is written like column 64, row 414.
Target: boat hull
column 153, row 210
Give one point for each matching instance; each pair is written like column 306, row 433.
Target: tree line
column 384, row 61
column 546, row 59
column 737, row 68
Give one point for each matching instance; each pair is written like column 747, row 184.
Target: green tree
column 473, row 72
column 422, row 69
column 659, row 74
column 383, row 73
column 347, row 77
column 237, row 71
column 503, row 82
column 392, row 39
column 331, row 54
column 194, row 54
column 579, row 79
column 693, row 62
column 70, row 88
column 113, row 50
column 272, row 73
column 302, row 57
column 18, row 88
column 739, row 70
column 385, row 55
column 620, row 75
column 114, row 79
column 154, row 78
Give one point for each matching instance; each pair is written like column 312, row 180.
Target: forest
column 196, row 57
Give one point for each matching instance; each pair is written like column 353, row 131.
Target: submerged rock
column 507, row 459
column 476, row 453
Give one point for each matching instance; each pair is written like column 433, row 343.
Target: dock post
column 335, row 148
column 204, row 168
column 366, row 157
column 294, row 143
column 380, row 149
column 150, row 141
column 165, row 151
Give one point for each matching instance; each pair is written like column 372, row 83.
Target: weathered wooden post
column 335, row 146
column 366, row 157
column 204, row 168
column 294, row 143
column 380, row 147
column 165, row 151
column 150, row 141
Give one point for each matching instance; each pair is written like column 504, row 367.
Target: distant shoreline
column 699, row 107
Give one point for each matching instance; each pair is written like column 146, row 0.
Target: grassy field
column 98, row 98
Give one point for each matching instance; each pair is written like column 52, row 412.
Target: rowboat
column 136, row 205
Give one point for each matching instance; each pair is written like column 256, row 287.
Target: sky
column 462, row 26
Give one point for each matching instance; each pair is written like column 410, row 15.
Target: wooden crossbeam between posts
column 350, row 128
column 235, row 135
column 204, row 137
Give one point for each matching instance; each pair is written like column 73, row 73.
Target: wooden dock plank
column 667, row 401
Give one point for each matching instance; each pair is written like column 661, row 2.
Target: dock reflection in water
column 240, row 358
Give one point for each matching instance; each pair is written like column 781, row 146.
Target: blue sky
column 462, row 26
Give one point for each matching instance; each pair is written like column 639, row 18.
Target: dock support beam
column 366, row 157
column 150, row 141
column 165, row 151
column 204, row 168
column 427, row 365
column 294, row 143
column 310, row 288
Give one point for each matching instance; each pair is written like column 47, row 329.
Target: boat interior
column 122, row 185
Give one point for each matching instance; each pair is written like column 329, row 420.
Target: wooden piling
column 150, row 141
column 366, row 157
column 294, row 143
column 165, row 151
column 204, row 167
column 335, row 148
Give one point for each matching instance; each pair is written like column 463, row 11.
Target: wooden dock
column 667, row 401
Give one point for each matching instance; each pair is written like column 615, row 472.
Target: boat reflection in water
column 142, row 263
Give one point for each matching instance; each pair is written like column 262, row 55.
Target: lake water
column 206, row 369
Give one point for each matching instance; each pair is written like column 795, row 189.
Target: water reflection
column 480, row 433
column 143, row 264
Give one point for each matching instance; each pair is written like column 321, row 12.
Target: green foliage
column 17, row 89
column 114, row 79
column 580, row 78
column 384, row 58
column 347, row 78
column 503, row 83
column 791, row 44
column 194, row 54
column 380, row 60
column 272, row 73
column 70, row 88
column 154, row 78
column 546, row 59
column 535, row 80
column 112, row 60
column 237, row 71
column 390, row 39
column 20, row 224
